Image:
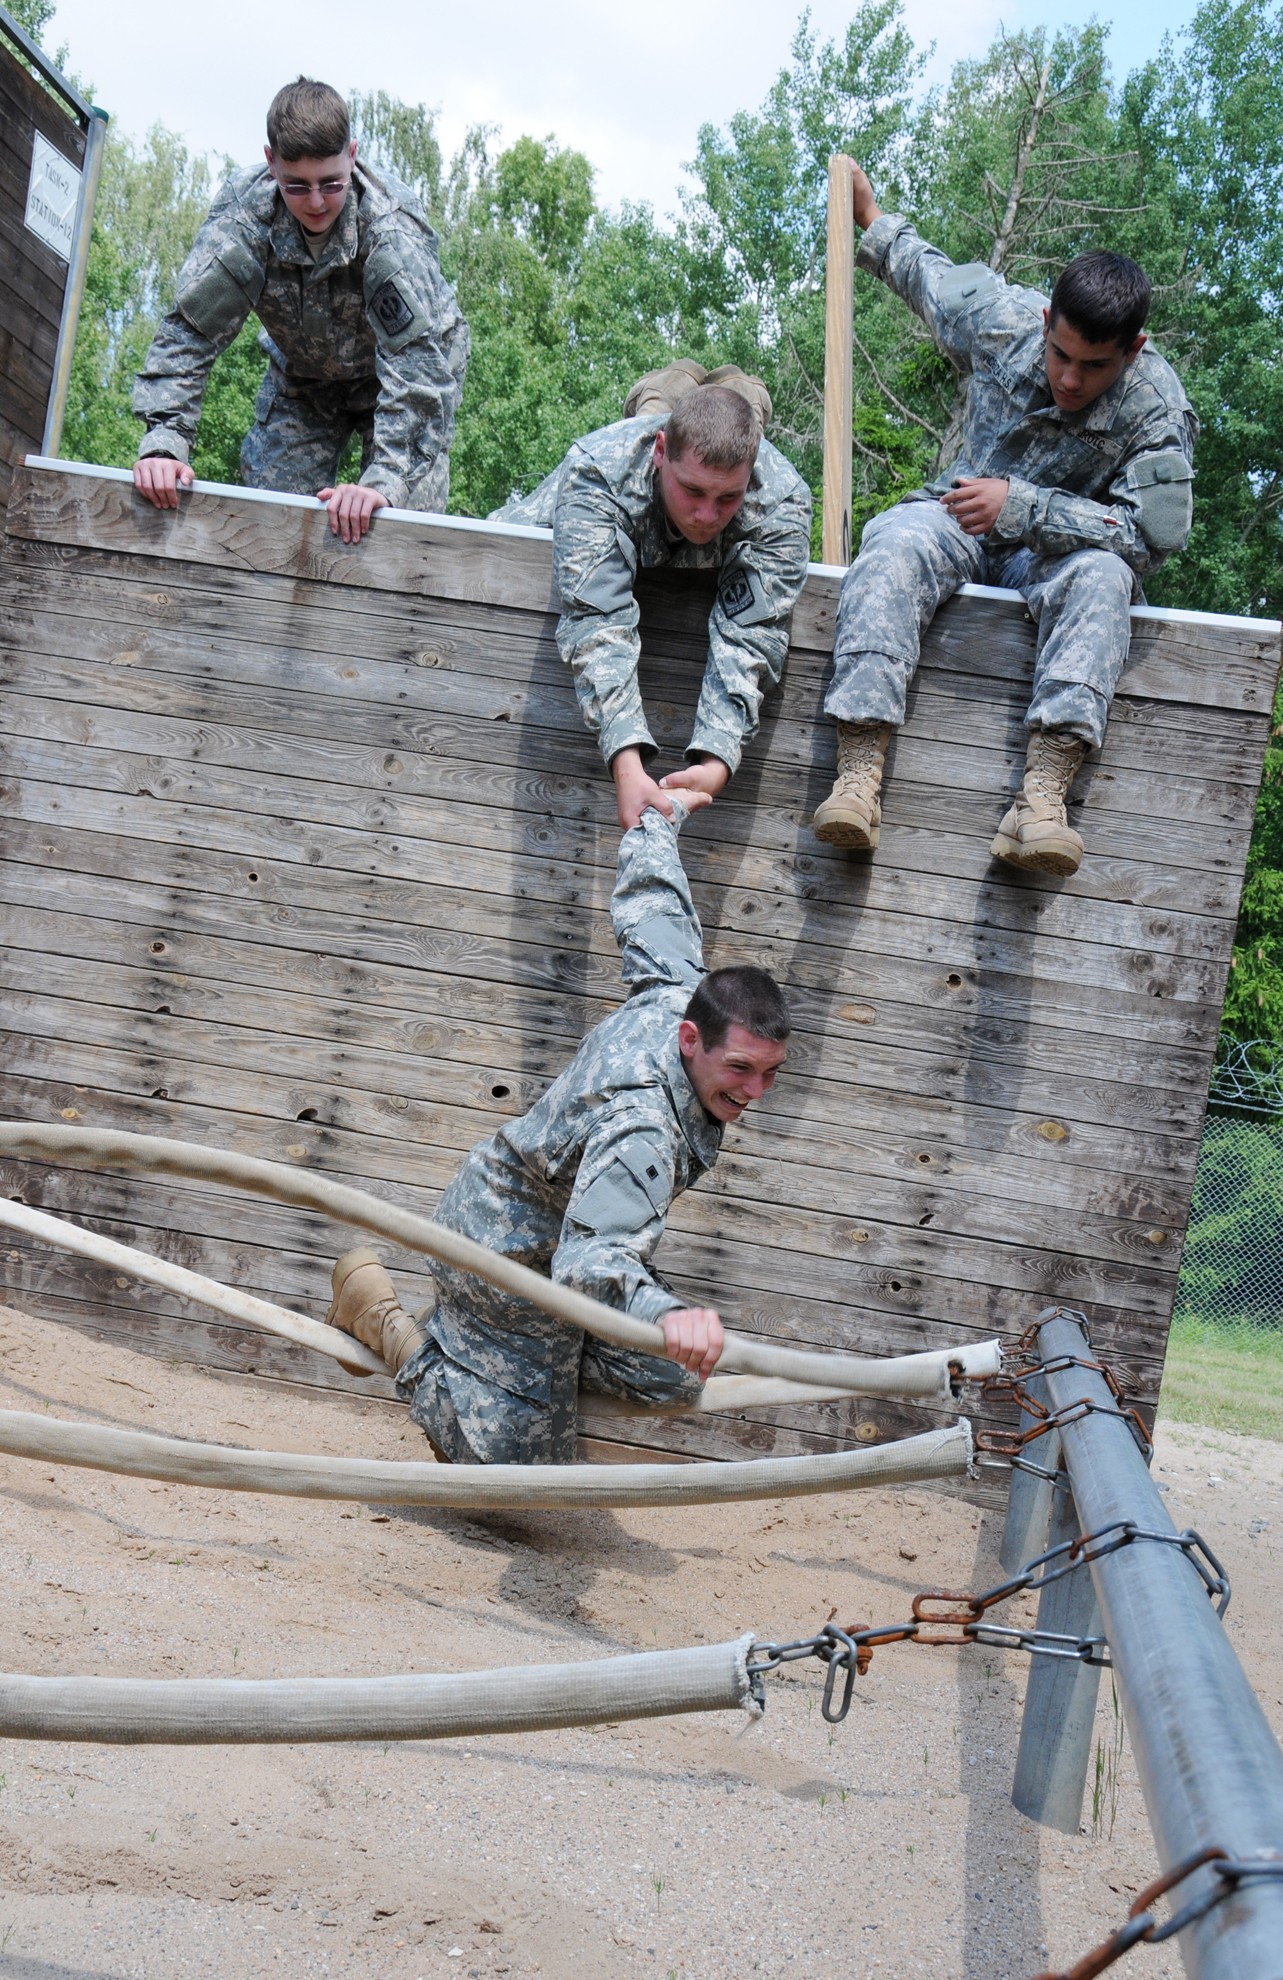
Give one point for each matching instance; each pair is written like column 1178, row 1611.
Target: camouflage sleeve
column 1146, row 518
column 594, row 563
column 615, row 1217
column 748, row 628
column 218, row 285
column 945, row 294
column 651, row 910
column 421, row 348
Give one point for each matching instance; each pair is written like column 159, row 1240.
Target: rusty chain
column 1009, row 1447
column 1141, row 1925
column 943, row 1616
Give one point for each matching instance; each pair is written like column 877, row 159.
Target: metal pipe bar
column 1029, row 1497
column 73, row 294
column 1210, row 1769
column 1060, row 1698
column 35, row 54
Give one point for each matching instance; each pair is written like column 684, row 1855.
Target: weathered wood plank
column 357, row 1081
column 306, row 853
column 821, row 1255
column 487, row 564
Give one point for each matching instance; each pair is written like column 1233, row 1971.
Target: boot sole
column 1035, row 859
column 852, row 838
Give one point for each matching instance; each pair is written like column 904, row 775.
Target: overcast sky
column 627, row 86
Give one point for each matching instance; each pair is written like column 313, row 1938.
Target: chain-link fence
column 1231, row 1279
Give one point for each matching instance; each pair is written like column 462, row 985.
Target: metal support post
column 1029, row 1497
column 1210, row 1768
column 1060, row 1700
column 73, row 294
column 839, row 302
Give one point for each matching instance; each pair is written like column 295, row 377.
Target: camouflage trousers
column 913, row 557
column 300, row 434
column 660, row 391
column 476, row 1419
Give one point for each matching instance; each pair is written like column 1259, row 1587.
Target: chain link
column 943, row 1616
column 1141, row 1924
column 1008, row 1447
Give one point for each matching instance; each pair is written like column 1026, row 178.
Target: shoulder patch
column 392, row 309
column 743, row 599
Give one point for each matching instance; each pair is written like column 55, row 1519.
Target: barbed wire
column 1248, row 1073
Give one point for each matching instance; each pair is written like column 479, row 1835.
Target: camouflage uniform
column 577, row 1188
column 366, row 339
column 1097, row 499
column 608, row 523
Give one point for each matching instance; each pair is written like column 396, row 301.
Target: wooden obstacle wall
column 33, row 277
column 306, row 854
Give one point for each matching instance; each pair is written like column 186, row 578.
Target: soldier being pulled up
column 363, row 334
column 579, row 1189
column 687, row 481
column 1073, row 484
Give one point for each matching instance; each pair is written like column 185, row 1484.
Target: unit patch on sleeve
column 392, row 309
column 743, row 599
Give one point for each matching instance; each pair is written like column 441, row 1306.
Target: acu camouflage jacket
column 1116, row 475
column 374, row 306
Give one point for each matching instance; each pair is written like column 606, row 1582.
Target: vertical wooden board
column 305, row 851
column 33, row 276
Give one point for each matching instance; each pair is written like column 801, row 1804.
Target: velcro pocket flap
column 624, row 1198
column 608, row 586
column 964, row 285
column 222, row 295
column 1164, row 488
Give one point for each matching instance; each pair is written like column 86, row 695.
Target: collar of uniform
column 702, row 1132
column 291, row 249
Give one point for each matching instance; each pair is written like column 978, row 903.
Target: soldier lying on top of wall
column 362, row 332
column 579, row 1189
column 686, row 480
column 1073, row 483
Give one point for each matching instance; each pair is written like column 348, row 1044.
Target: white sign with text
column 52, row 197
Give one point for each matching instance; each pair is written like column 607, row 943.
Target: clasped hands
column 636, row 790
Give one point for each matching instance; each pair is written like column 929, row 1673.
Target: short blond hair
column 715, row 422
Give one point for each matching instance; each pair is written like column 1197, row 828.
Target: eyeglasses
column 300, row 188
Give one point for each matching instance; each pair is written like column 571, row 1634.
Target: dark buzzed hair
column 1104, row 297
column 716, row 423
column 307, row 119
column 741, row 995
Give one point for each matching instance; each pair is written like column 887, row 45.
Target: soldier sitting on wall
column 579, row 1188
column 1073, row 484
column 684, row 480
column 362, row 332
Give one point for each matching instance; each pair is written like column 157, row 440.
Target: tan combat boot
column 1035, row 833
column 851, row 813
column 365, row 1305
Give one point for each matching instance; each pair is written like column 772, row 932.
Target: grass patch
column 1230, row 1378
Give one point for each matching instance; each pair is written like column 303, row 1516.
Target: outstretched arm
column 651, row 910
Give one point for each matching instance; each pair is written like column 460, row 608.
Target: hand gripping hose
column 142, row 1454
column 933, row 1374
column 208, row 1711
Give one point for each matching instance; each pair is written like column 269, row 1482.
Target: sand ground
column 701, row 1848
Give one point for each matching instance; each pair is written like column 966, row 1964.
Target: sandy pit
column 697, row 1847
